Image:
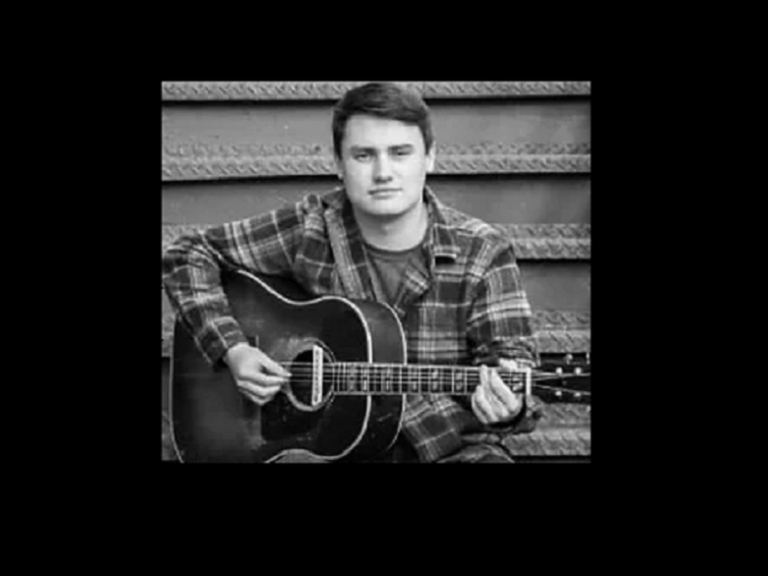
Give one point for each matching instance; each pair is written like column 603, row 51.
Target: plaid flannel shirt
column 469, row 307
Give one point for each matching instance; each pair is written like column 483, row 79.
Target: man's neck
column 400, row 233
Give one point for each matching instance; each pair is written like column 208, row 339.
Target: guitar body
column 213, row 422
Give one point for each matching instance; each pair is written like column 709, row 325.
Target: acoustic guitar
column 349, row 377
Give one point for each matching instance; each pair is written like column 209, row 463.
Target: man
column 384, row 236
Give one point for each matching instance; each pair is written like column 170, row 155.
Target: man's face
column 383, row 165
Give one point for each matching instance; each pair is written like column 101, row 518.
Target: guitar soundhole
column 300, row 390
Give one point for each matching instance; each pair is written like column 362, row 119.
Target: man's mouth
column 384, row 191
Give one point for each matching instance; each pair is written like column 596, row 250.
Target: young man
column 384, row 236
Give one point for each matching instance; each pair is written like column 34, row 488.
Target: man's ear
column 339, row 170
column 431, row 158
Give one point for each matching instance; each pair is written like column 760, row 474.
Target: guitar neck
column 362, row 378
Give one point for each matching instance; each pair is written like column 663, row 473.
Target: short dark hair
column 384, row 100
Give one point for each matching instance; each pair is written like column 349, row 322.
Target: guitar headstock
column 563, row 379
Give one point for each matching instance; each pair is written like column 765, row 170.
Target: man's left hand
column 493, row 401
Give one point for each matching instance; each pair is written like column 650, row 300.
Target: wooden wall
column 516, row 154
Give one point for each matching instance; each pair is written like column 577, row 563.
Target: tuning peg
column 577, row 370
column 559, row 370
column 568, row 358
column 587, row 357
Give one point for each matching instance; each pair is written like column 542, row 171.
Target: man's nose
column 382, row 169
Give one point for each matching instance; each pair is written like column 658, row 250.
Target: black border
column 129, row 290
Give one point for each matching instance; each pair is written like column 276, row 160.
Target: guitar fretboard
column 362, row 378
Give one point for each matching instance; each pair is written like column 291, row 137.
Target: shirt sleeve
column 191, row 269
column 500, row 326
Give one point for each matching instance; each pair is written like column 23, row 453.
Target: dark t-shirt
column 389, row 267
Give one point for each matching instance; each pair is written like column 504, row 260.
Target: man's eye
column 362, row 156
column 402, row 152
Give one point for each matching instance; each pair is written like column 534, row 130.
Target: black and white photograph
column 376, row 272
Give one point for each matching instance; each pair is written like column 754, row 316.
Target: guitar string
column 381, row 366
column 303, row 380
column 428, row 386
column 419, row 367
column 469, row 374
column 306, row 378
column 387, row 364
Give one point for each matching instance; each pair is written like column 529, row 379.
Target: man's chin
column 390, row 207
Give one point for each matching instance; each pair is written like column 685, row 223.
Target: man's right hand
column 257, row 376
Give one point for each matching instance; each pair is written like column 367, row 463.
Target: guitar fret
column 461, row 377
column 470, row 379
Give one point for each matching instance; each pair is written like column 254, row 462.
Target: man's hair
column 384, row 100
